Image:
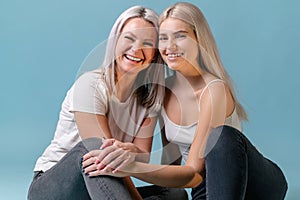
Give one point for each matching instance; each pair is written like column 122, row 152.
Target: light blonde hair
column 149, row 82
column 209, row 59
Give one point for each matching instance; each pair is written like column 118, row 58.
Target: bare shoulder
column 217, row 94
column 215, row 88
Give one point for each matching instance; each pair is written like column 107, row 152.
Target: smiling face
column 178, row 46
column 135, row 46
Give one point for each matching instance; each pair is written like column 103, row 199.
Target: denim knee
column 92, row 143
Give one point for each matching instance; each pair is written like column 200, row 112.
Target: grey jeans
column 235, row 170
column 66, row 181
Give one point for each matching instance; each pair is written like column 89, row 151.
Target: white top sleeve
column 90, row 94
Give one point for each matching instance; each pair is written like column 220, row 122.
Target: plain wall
column 43, row 44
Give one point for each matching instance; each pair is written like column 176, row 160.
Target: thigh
column 63, row 181
column 265, row 178
column 66, row 180
column 236, row 170
column 226, row 164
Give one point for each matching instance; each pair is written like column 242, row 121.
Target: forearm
column 143, row 157
column 140, row 155
column 165, row 175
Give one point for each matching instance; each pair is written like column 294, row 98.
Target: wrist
column 142, row 157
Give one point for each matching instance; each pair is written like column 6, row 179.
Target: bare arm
column 144, row 138
column 92, row 125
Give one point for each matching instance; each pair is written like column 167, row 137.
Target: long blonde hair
column 149, row 81
column 209, row 59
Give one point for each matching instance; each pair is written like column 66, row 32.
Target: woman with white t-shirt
column 119, row 100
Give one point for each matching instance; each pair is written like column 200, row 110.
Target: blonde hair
column 149, row 81
column 209, row 56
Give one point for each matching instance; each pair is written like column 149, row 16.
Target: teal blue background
column 44, row 43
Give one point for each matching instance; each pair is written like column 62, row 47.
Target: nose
column 136, row 46
column 171, row 44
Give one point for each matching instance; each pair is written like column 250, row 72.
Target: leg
column 226, row 165
column 154, row 192
column 236, row 170
column 62, row 181
column 65, row 180
column 103, row 187
column 265, row 178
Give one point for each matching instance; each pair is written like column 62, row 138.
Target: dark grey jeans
column 235, row 170
column 65, row 181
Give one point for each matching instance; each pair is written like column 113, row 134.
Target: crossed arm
column 214, row 109
column 109, row 161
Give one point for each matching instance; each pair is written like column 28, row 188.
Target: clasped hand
column 111, row 158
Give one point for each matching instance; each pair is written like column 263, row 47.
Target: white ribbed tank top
column 184, row 135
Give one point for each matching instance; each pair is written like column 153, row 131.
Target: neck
column 124, row 85
column 195, row 81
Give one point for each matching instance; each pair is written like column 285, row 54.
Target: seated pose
column 119, row 100
column 201, row 116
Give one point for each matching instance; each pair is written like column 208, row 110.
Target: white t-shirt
column 90, row 94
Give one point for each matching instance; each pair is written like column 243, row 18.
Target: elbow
column 195, row 181
column 195, row 177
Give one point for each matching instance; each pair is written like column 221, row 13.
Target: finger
column 127, row 146
column 108, row 160
column 118, row 144
column 100, row 166
column 129, row 159
column 90, row 154
column 107, row 142
column 98, row 173
column 86, row 156
column 90, row 169
column 88, row 162
column 122, row 165
column 107, row 169
column 125, row 158
column 104, row 153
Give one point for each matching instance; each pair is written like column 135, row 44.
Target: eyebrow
column 129, row 33
column 181, row 31
column 133, row 35
column 177, row 32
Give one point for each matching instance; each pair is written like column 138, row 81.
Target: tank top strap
column 207, row 85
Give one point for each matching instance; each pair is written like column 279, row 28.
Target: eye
column 163, row 37
column 129, row 38
column 180, row 36
column 148, row 44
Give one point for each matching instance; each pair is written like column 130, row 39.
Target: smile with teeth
column 133, row 58
column 174, row 55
